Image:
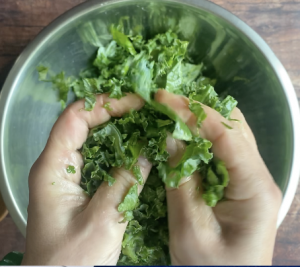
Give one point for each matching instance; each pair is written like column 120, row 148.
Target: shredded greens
column 71, row 169
column 130, row 63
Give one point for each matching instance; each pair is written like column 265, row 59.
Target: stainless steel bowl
column 242, row 62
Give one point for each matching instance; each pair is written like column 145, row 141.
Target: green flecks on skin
column 107, row 106
column 227, row 126
column 71, row 169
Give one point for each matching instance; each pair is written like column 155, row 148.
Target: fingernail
column 176, row 149
column 143, row 162
column 171, row 145
column 183, row 180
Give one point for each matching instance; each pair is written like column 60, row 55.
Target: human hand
column 240, row 230
column 65, row 226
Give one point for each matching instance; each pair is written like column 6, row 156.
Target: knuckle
column 273, row 197
column 32, row 172
column 69, row 111
column 277, row 195
column 124, row 176
column 69, row 114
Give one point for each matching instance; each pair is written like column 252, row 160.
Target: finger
column 102, row 210
column 70, row 132
column 247, row 171
column 185, row 203
column 175, row 148
column 238, row 120
column 71, row 129
column 180, row 105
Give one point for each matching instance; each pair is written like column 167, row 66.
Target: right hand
column 240, row 230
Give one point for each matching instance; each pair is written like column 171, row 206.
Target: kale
column 129, row 63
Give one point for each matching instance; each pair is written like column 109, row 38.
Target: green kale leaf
column 131, row 63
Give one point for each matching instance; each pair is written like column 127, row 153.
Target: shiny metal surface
column 230, row 49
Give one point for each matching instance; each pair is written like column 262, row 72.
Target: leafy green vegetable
column 181, row 130
column 43, row 72
column 197, row 109
column 90, row 101
column 228, row 104
column 130, row 201
column 60, row 83
column 226, row 125
column 71, row 169
column 107, row 106
column 12, row 258
column 138, row 175
column 195, row 153
column 216, row 179
column 122, row 40
column 62, row 104
column 234, row 120
column 131, row 64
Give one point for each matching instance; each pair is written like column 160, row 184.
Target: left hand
column 65, row 226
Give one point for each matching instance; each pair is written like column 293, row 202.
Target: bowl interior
column 238, row 65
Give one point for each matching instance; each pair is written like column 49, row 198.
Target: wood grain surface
column 277, row 21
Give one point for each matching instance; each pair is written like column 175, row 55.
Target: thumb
column 191, row 222
column 251, row 193
column 185, row 203
column 235, row 145
column 107, row 198
column 102, row 212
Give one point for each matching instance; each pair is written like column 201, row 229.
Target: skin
column 66, row 227
column 240, row 230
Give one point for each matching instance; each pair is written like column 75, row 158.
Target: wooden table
column 277, row 21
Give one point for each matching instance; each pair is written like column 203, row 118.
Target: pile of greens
column 129, row 63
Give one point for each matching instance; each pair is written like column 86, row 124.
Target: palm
column 65, row 224
column 239, row 230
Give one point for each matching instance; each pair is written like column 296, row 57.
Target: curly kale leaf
column 129, row 63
